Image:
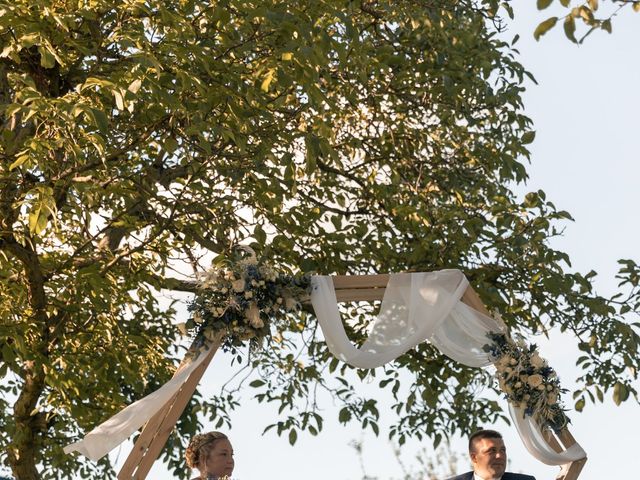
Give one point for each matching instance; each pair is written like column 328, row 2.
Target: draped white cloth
column 108, row 435
column 416, row 307
column 426, row 306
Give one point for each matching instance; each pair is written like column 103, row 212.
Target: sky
column 585, row 108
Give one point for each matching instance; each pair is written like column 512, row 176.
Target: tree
column 331, row 136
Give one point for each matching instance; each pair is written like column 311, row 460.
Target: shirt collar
column 478, row 477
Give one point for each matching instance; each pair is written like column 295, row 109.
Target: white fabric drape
column 416, row 307
column 426, row 306
column 108, row 435
column 535, row 442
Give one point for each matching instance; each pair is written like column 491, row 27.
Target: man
column 489, row 458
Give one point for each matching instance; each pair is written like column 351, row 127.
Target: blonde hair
column 199, row 448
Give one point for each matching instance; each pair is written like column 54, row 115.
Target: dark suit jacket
column 506, row 476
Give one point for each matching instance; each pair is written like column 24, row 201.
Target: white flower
column 518, row 385
column 290, row 303
column 552, row 398
column 209, row 278
column 513, row 361
column 238, row 285
column 253, row 316
column 504, row 361
column 536, row 361
column 248, row 294
column 535, row 381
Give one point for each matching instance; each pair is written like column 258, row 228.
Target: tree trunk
column 22, row 450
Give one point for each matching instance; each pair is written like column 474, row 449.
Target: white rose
column 536, row 361
column 290, row 303
column 535, row 381
column 238, row 285
column 253, row 316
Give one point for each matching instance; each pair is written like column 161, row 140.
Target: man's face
column 489, row 458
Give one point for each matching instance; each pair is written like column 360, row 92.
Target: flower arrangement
column 244, row 298
column 527, row 380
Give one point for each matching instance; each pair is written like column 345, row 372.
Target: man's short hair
column 480, row 435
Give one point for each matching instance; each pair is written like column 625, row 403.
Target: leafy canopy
column 334, row 136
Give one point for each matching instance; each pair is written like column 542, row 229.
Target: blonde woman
column 212, row 454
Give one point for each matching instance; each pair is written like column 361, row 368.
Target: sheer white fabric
column 535, row 442
column 426, row 306
column 108, row 435
column 416, row 307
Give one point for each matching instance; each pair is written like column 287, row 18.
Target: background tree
column 580, row 19
column 332, row 136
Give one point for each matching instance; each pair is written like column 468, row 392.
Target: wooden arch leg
column 155, row 433
column 557, row 442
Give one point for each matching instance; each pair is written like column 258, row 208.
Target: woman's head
column 211, row 453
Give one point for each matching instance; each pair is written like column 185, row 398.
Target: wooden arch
column 349, row 288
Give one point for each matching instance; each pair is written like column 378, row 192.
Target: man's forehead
column 484, row 443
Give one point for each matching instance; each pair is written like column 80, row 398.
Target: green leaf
column 528, row 137
column 620, row 393
column 293, row 436
column 99, row 119
column 544, row 27
column 542, row 4
column 38, row 218
column 570, row 28
column 47, row 60
column 267, row 80
column 19, row 161
column 170, row 145
column 606, row 24
column 344, row 416
column 135, row 86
